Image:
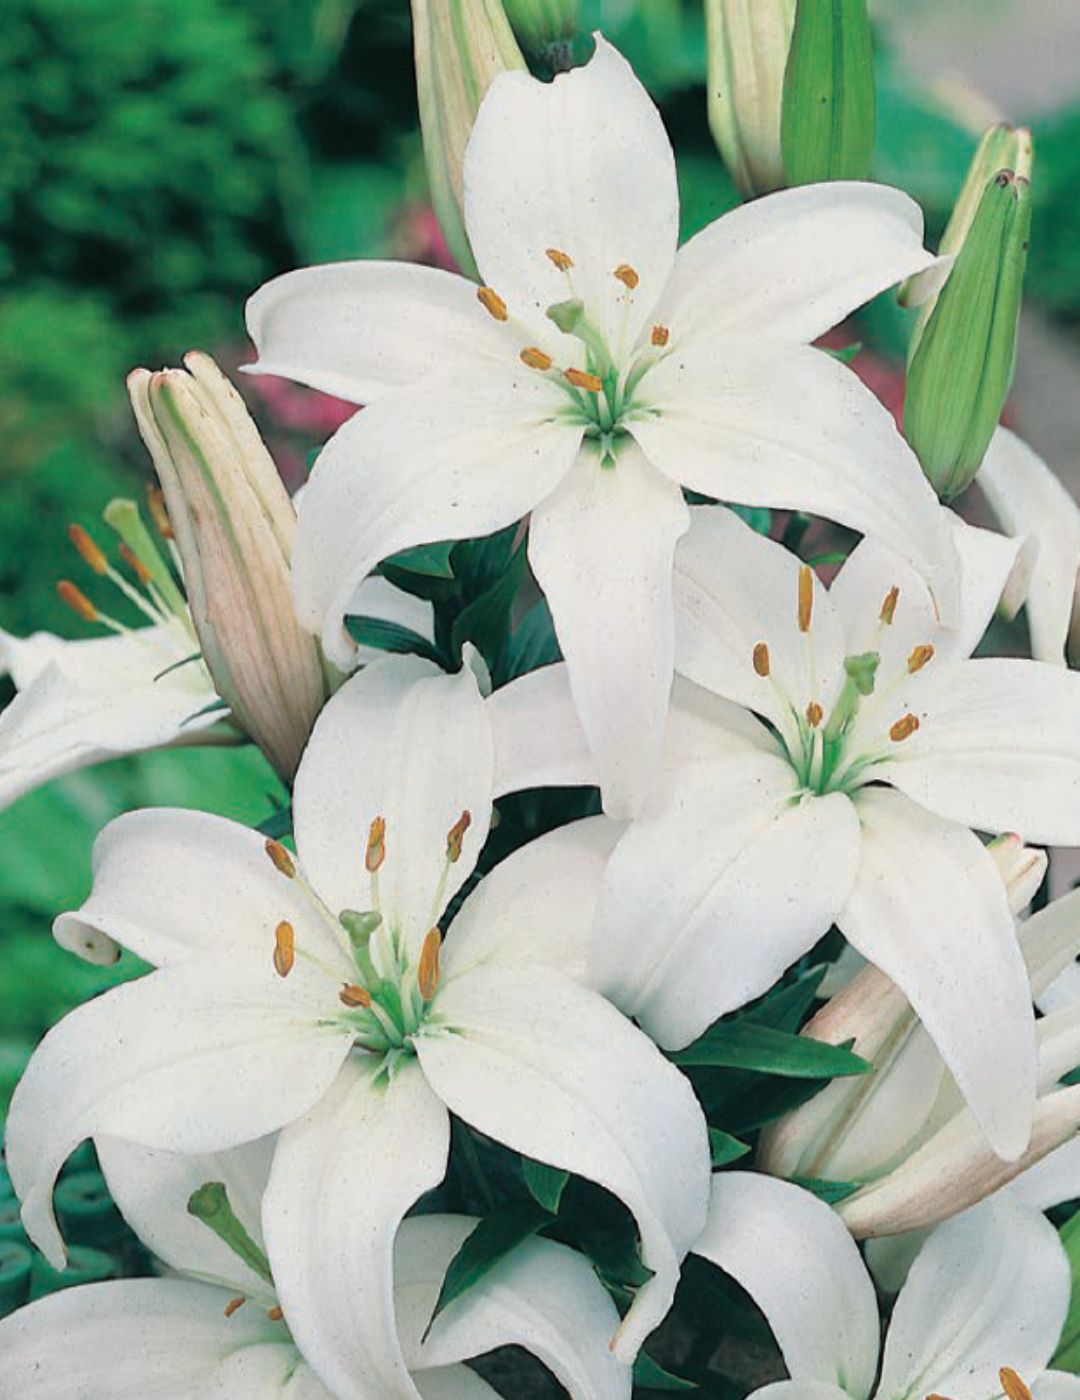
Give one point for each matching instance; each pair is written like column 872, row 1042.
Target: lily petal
column 554, row 1072
column 581, row 165
column 796, row 263
column 542, row 1296
column 989, row 1288
column 1056, row 1385
column 193, row 1058
column 454, row 1383
column 464, row 452
column 361, row 329
column 539, row 741
column 377, row 597
column 765, row 423
column 930, row 911
column 692, row 921
column 1052, row 1181
column 601, row 547
column 794, row 1257
column 1028, row 499
column 343, row 1178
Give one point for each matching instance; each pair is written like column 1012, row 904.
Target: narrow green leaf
column 1067, row 1356
column 430, row 560
column 377, row 632
column 830, row 1192
column 546, row 1184
column 652, row 1376
column 278, row 824
column 725, row 1148
column 846, row 353
column 213, row 708
column 486, row 620
column 759, row 518
column 493, row 1239
column 783, row 1008
column 742, row 1045
column 532, row 644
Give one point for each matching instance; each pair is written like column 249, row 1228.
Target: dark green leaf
column 492, row 1240
column 277, row 825
column 653, row 1376
column 742, row 1045
column 532, row 644
column 213, row 708
column 377, row 632
column 828, row 1191
column 845, row 353
column 546, row 1184
column 759, row 518
column 430, row 560
column 725, row 1148
column 486, row 620
column 784, row 1007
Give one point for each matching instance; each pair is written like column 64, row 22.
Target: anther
column 233, row 1304
column 535, row 358
column 904, row 728
column 888, row 607
column 1012, row 1384
column 284, row 948
column 353, row 995
column 806, row 597
column 660, row 335
column 456, row 835
column 77, row 600
column 627, row 275
column 814, row 714
column 135, row 564
column 274, row 1314
column 582, row 380
column 376, row 845
column 563, row 261
column 427, row 972
column 761, row 659
column 919, row 657
column 155, row 504
column 88, row 550
column 492, row 303
column 280, row 857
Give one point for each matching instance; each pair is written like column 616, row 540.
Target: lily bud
column 828, row 115
column 542, row 25
column 460, row 47
column 233, row 523
column 963, row 348
column 747, row 51
column 1022, row 868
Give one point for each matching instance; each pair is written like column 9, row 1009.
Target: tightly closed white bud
column 233, row 523
column 747, row 48
column 460, row 47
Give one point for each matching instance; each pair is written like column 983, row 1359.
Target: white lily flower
column 980, row 1314
column 594, row 375
column 845, row 740
column 310, row 994
column 1028, row 499
column 214, row 1326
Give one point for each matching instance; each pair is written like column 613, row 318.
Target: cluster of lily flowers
column 776, row 757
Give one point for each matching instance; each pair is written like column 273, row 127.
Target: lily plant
column 844, row 738
column 214, row 1326
column 595, row 372
column 311, row 993
column 979, row 1315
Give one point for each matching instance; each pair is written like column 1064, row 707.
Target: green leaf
column 493, row 1239
column 546, row 1184
column 532, row 644
column 846, row 353
column 653, row 1376
column 486, row 620
column 430, row 560
column 785, row 1006
column 1067, row 1356
column 743, row 1045
column 830, row 1192
column 278, row 824
column 725, row 1148
column 759, row 518
column 377, row 632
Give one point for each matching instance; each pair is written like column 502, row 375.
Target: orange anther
column 492, row 303
column 563, row 261
column 535, row 358
column 582, row 380
column 919, row 657
column 376, row 845
column 761, row 659
column 456, row 835
column 88, row 550
column 627, row 275
column 353, row 995
column 888, row 607
column 904, row 728
column 814, row 714
column 284, row 948
column 806, row 597
column 660, row 335
column 281, row 858
column 77, row 600
column 427, row 972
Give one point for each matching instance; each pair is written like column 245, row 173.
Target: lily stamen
column 284, row 948
column 233, row 1305
column 806, row 597
column 581, row 379
column 761, row 659
column 919, row 657
column 563, row 261
column 492, row 303
column 904, row 728
column 627, row 275
column 1013, row 1385
column 888, row 607
column 536, row 358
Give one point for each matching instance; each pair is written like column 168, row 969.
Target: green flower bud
column 543, row 24
column 460, row 47
column 827, row 121
column 747, row 51
column 961, row 363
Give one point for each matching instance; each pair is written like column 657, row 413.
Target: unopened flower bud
column 460, row 47
column 544, row 27
column 828, row 115
column 1022, row 868
column 747, row 51
column 233, row 524
column 963, row 347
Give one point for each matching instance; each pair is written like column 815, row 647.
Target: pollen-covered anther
column 814, row 714
column 376, row 845
column 280, row 858
column 888, row 607
column 135, row 564
column 233, row 1305
column 76, row 600
column 155, row 504
column 427, row 972
column 919, row 657
column 1013, row 1385
column 660, row 335
column 761, row 659
column 627, row 275
column 274, row 1314
column 353, row 996
column 492, row 303
column 456, row 836
column 88, row 550
column 563, row 261
column 904, row 728
column 284, row 948
column 806, row 597
column 535, row 358
column 581, row 379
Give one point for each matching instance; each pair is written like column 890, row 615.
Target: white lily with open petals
column 215, row 1326
column 980, row 1314
column 310, row 994
column 829, row 754
column 596, row 373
